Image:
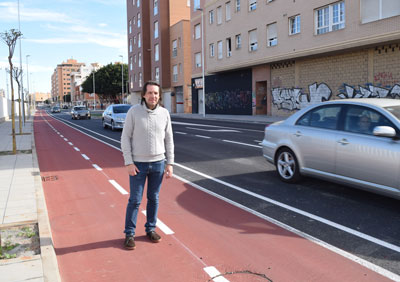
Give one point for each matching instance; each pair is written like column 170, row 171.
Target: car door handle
column 343, row 141
column 297, row 134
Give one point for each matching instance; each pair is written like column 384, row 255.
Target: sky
column 54, row 31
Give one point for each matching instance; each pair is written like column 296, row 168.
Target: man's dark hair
column 144, row 89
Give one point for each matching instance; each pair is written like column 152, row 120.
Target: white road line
column 207, row 125
column 97, row 167
column 257, row 141
column 201, row 136
column 70, row 143
column 304, row 213
column 118, row 187
column 65, row 139
column 85, row 157
column 213, row 130
column 76, row 149
column 364, row 263
column 178, row 132
column 212, row 272
column 164, row 228
column 62, row 136
column 240, row 143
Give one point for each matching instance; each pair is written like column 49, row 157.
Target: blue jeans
column 154, row 173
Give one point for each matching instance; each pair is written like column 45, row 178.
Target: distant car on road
column 114, row 116
column 354, row 142
column 79, row 112
column 65, row 107
column 55, row 109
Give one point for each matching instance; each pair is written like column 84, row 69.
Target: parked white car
column 114, row 116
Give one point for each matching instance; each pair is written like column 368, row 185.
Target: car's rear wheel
column 287, row 166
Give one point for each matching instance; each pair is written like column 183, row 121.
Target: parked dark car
column 79, row 112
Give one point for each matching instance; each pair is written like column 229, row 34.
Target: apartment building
column 277, row 56
column 149, row 51
column 77, row 79
column 61, row 80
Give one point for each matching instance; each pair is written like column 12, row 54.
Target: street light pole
column 94, row 89
column 202, row 61
column 122, row 77
column 27, row 76
column 20, row 65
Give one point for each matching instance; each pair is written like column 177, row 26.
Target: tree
column 107, row 83
column 10, row 38
column 16, row 74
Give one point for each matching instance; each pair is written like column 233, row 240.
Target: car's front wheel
column 287, row 166
column 112, row 126
column 104, row 124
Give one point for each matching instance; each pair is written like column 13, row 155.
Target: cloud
column 103, row 24
column 9, row 12
column 79, row 34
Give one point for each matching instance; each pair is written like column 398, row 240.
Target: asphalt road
column 225, row 158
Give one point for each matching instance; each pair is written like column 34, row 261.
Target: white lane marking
column 212, row 272
column 76, row 149
column 213, row 130
column 201, row 136
column 205, row 125
column 85, row 157
column 66, row 139
column 70, row 143
column 257, row 141
column 295, row 210
column 240, row 143
column 62, row 136
column 97, row 167
column 178, row 132
column 118, row 187
column 315, row 240
column 94, row 132
column 164, row 228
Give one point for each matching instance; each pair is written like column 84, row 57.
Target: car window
column 79, row 108
column 121, row 109
column 363, row 120
column 321, row 117
column 394, row 110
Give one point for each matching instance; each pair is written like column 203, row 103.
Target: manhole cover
column 49, row 178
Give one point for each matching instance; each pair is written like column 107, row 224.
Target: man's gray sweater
column 147, row 135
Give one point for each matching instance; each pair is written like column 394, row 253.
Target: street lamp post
column 202, row 61
column 122, row 77
column 94, row 89
column 27, row 77
column 20, row 63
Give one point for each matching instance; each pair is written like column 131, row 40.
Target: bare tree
column 17, row 75
column 10, row 38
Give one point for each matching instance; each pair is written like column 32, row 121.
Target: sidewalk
column 22, row 202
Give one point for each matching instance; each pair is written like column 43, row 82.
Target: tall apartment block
column 152, row 28
column 275, row 57
column 77, row 79
column 61, row 80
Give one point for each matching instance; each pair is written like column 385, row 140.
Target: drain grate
column 49, row 178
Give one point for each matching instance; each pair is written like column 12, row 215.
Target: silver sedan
column 114, row 116
column 354, row 142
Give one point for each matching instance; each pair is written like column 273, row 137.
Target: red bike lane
column 86, row 214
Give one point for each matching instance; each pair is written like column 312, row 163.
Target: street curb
column 49, row 260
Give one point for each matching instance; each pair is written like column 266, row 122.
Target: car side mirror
column 384, row 131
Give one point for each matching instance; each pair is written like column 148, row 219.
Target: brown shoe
column 153, row 236
column 129, row 243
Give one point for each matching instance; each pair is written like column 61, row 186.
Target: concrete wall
column 5, row 109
